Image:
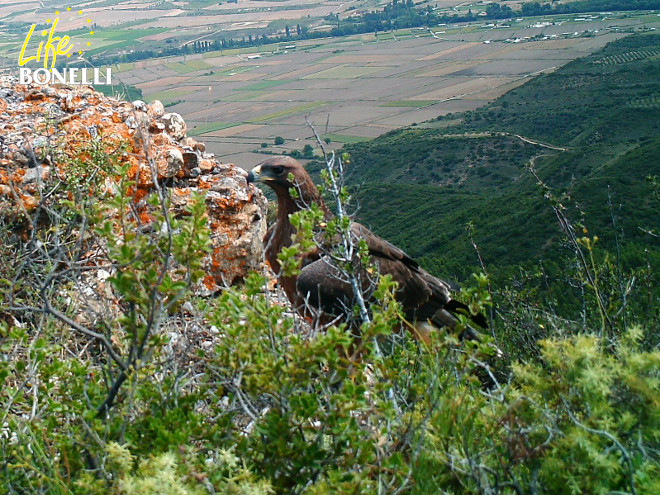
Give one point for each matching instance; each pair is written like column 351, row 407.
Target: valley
column 352, row 88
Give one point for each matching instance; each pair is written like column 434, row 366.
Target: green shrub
column 585, row 419
column 97, row 397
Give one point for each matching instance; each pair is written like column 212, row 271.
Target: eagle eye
column 278, row 170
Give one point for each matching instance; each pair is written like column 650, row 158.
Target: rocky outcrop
column 50, row 133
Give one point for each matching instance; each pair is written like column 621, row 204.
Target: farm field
column 359, row 87
column 351, row 88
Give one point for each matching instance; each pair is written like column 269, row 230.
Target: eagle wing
column 423, row 297
column 418, row 291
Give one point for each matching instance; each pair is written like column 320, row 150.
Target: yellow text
column 63, row 47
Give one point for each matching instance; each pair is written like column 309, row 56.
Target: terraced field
column 651, row 53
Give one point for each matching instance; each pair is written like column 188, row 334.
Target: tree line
column 395, row 15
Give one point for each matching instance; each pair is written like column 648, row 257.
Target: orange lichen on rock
column 77, row 135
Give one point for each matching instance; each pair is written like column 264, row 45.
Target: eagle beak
column 254, row 175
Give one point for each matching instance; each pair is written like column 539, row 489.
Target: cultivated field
column 350, row 88
column 359, row 87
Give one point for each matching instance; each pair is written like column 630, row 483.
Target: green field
column 288, row 111
column 206, row 128
column 125, row 66
column 263, row 85
column 116, row 39
column 341, row 138
column 344, row 72
column 170, row 95
column 189, row 66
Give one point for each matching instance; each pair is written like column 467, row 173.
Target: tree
column 279, row 140
column 308, row 151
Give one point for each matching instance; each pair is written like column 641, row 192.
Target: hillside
column 598, row 122
column 130, row 365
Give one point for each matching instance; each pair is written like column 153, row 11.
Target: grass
column 128, row 34
column 186, row 67
column 120, row 38
column 345, row 139
column 125, row 66
column 214, row 126
column 263, row 85
column 198, row 64
column 169, row 95
column 292, row 110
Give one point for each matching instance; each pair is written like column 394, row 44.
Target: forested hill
column 592, row 131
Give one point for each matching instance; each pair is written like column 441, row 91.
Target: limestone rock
column 155, row 109
column 192, row 144
column 36, row 174
column 35, row 153
column 169, row 162
column 175, row 126
column 140, row 105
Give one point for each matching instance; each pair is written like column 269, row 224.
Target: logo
column 53, row 45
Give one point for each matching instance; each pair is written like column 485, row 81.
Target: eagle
column 425, row 299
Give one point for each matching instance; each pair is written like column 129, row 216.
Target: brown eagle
column 425, row 299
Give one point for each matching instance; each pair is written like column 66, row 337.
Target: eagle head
column 282, row 174
column 276, row 172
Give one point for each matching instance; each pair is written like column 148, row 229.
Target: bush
column 279, row 141
column 584, row 419
column 142, row 387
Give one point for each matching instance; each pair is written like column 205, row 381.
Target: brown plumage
column 425, row 299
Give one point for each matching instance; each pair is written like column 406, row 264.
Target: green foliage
column 116, row 378
column 280, row 406
column 308, row 151
column 606, row 410
column 584, row 419
column 419, row 187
